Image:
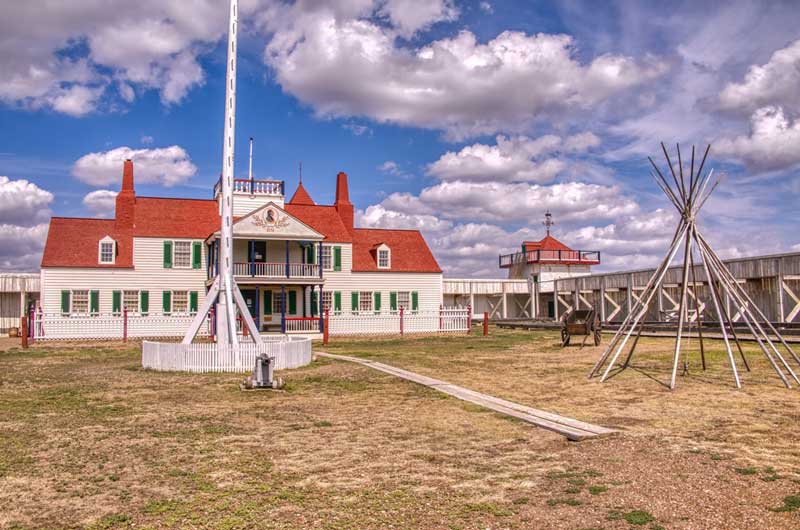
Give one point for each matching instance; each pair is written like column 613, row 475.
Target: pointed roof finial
column 548, row 221
column 301, row 171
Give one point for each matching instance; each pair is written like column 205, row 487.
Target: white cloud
column 411, row 16
column 147, row 140
column 486, row 7
column 514, row 202
column 101, row 202
column 344, row 64
column 24, row 209
column 773, row 143
column 510, row 159
column 167, row 166
column 357, row 129
column 23, row 202
column 21, row 246
column 70, row 56
column 775, row 83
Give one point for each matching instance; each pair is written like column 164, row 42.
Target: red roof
column 323, row 219
column 548, row 243
column 73, row 242
column 409, row 251
column 301, row 196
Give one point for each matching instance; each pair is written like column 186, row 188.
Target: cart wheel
column 598, row 336
column 564, row 337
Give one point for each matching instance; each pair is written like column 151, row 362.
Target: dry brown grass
column 87, row 438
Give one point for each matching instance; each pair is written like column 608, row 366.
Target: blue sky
column 467, row 120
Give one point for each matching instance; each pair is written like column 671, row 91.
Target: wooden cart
column 581, row 322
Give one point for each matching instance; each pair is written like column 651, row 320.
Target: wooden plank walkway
column 572, row 429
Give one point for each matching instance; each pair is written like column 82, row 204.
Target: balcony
column 253, row 187
column 276, row 271
column 551, row 257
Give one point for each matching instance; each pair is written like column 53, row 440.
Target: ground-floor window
column 180, row 301
column 80, row 302
column 130, row 301
column 327, row 300
column 365, row 301
column 403, row 299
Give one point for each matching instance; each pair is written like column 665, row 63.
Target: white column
column 781, row 308
column 602, row 298
column 505, row 301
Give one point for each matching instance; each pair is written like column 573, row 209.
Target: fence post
column 325, row 327
column 485, row 323
column 402, row 309
column 469, row 319
column 124, row 324
column 440, row 317
column 23, row 331
column 31, row 326
column 212, row 324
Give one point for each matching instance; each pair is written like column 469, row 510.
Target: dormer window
column 107, row 251
column 384, row 257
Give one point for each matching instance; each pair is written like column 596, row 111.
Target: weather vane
column 548, row 221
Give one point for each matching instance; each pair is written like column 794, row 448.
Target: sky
column 466, row 120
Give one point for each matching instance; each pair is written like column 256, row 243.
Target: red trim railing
column 588, row 257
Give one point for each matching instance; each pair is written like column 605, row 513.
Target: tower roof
column 301, row 196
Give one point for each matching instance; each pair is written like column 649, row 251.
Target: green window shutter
column 196, row 254
column 166, row 302
column 116, row 302
column 310, row 254
column 292, row 302
column 337, row 258
column 314, row 304
column 65, row 302
column 192, row 302
column 354, row 301
column 377, row 304
column 337, row 301
column 414, row 300
column 393, row 301
column 94, row 302
column 167, row 254
column 144, row 302
column 267, row 302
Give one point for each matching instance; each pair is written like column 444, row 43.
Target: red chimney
column 126, row 199
column 343, row 205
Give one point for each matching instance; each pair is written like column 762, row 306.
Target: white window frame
column 137, row 301
column 72, row 310
column 173, row 298
column 407, row 305
column 388, row 253
column 175, row 243
column 327, row 301
column 106, row 241
column 365, row 301
column 326, row 258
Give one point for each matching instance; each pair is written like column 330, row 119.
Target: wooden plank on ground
column 571, row 428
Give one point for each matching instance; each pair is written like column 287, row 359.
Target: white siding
column 428, row 285
column 243, row 203
column 148, row 274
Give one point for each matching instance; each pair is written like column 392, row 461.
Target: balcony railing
column 253, row 187
column 576, row 257
column 303, row 325
column 276, row 270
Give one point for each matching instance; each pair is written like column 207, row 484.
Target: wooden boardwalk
column 572, row 429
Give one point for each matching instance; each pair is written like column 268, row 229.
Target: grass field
column 89, row 439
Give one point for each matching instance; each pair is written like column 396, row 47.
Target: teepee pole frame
column 688, row 194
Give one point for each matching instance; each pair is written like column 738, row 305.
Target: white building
column 159, row 255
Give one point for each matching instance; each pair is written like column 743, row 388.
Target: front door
column 259, row 252
column 251, row 299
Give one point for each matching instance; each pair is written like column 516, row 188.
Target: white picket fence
column 445, row 320
column 288, row 352
column 111, row 326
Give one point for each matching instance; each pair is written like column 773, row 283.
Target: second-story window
column 182, row 255
column 325, row 258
